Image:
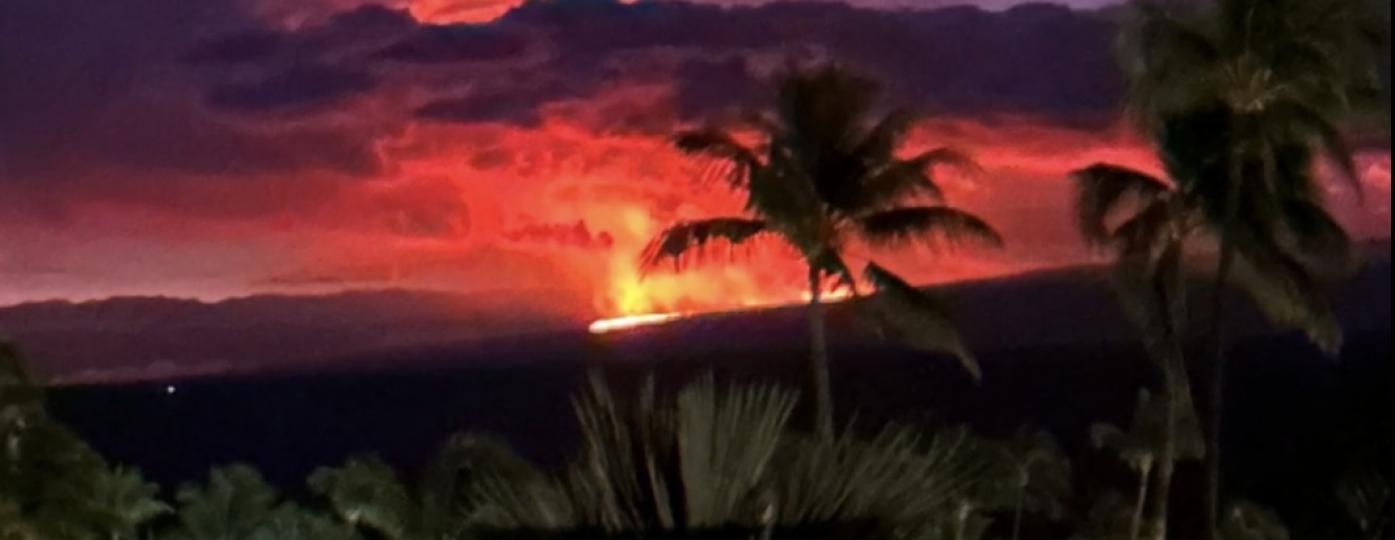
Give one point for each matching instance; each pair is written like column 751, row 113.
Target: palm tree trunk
column 1218, row 356
column 1140, row 500
column 962, row 520
column 1017, row 513
column 818, row 358
column 1173, row 372
column 1217, row 392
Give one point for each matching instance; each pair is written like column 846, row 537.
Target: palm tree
column 1154, row 435
column 1149, row 224
column 1137, row 448
column 292, row 522
column 366, row 493
column 825, row 174
column 113, row 502
column 1241, row 98
column 1040, row 475
column 713, row 458
column 235, row 504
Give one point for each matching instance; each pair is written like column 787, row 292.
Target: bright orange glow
column 627, row 322
column 605, row 326
column 460, row 11
column 591, row 200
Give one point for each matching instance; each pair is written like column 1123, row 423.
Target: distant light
column 627, row 322
column 170, row 390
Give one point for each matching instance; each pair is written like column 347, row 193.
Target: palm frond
column 1152, row 288
column 705, row 459
column 714, row 143
column 1146, row 232
column 1302, row 123
column 686, row 241
column 502, row 491
column 1101, row 189
column 933, row 225
column 367, row 493
column 830, row 263
column 895, row 182
column 917, row 318
column 1286, row 292
column 905, row 478
column 1317, row 234
column 886, row 135
column 726, row 446
column 234, row 503
column 1170, row 62
column 900, row 180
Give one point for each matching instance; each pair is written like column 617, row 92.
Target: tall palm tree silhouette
column 1242, row 97
column 826, row 174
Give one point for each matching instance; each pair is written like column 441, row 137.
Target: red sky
column 226, row 147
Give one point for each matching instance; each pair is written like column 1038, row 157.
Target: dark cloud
column 106, row 95
column 249, row 47
column 703, row 88
column 1034, row 60
column 305, row 86
column 441, row 44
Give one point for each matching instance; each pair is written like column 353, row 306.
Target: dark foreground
column 1056, row 354
column 1295, row 420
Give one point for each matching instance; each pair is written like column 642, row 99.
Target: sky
column 230, row 147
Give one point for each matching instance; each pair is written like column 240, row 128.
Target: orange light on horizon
column 616, row 324
column 629, row 322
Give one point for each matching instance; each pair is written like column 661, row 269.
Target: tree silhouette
column 110, row 503
column 825, row 174
column 52, row 485
column 1040, row 475
column 1241, row 98
column 1150, row 226
column 713, row 459
column 1154, row 435
column 237, row 504
column 366, row 493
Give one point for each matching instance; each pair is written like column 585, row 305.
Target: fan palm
column 1242, row 98
column 709, row 460
column 826, row 173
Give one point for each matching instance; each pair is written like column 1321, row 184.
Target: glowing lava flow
column 627, row 322
column 604, row 326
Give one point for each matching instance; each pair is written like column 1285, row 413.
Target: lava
column 615, row 324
